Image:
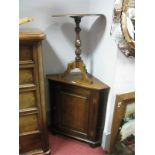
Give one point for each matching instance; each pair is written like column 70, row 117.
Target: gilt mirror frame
column 123, row 27
column 130, row 41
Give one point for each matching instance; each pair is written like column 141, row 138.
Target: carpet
column 61, row 145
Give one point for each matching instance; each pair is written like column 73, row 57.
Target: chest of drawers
column 33, row 135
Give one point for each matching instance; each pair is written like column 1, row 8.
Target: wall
column 58, row 48
column 99, row 50
column 109, row 64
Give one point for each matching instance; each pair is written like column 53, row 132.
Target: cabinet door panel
column 74, row 110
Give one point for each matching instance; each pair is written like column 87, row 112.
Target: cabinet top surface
column 75, row 79
column 31, row 34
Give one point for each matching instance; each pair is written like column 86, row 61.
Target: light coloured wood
column 28, row 123
column 29, row 111
column 81, row 66
column 38, row 152
column 27, row 99
column 33, row 130
column 26, row 65
column 26, row 76
column 31, row 35
column 28, row 86
column 41, row 93
column 29, row 133
column 120, row 104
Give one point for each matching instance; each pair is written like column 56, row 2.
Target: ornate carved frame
column 120, row 29
column 124, row 28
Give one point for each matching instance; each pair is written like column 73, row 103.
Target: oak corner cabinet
column 33, row 134
column 78, row 109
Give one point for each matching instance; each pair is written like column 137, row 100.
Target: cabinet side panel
column 102, row 112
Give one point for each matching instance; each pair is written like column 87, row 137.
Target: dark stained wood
column 78, row 62
column 30, row 142
column 121, row 101
column 33, row 136
column 26, row 52
column 75, row 79
column 78, row 109
column 79, row 113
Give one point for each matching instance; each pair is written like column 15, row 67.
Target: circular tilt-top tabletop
column 75, row 15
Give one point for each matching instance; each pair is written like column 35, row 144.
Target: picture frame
column 121, row 102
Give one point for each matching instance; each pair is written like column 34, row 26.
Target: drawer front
column 26, row 76
column 26, row 52
column 28, row 123
column 30, row 142
column 27, row 100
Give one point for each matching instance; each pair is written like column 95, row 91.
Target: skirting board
column 105, row 140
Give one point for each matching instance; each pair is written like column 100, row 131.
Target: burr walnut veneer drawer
column 27, row 99
column 26, row 76
column 30, row 142
column 28, row 123
column 26, row 52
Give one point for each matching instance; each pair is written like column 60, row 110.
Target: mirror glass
column 131, row 18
